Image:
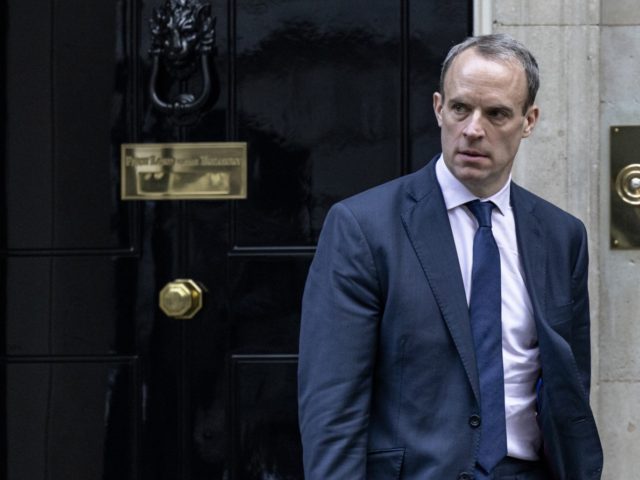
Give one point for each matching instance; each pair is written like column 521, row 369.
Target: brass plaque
column 184, row 171
column 624, row 187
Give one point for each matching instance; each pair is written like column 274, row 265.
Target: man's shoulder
column 547, row 212
column 394, row 195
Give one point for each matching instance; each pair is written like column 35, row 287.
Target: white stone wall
column 619, row 270
column 589, row 56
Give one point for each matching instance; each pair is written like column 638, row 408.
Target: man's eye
column 458, row 108
column 498, row 114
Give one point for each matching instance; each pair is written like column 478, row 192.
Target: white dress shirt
column 520, row 352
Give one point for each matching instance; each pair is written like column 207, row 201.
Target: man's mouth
column 472, row 153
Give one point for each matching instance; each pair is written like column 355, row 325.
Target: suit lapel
column 532, row 249
column 428, row 228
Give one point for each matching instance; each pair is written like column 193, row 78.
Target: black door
column 331, row 96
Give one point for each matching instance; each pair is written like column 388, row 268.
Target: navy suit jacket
column 387, row 370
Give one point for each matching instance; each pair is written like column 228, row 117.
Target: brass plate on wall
column 184, row 171
column 624, row 187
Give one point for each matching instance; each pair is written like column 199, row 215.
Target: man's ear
column 530, row 120
column 437, row 107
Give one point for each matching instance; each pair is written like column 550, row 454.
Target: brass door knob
column 628, row 184
column 181, row 299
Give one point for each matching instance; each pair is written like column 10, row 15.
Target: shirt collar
column 456, row 194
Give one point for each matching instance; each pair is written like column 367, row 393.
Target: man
column 445, row 328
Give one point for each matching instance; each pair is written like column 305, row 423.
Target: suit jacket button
column 474, row 421
column 465, row 476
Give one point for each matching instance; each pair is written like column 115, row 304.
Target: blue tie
column 486, row 324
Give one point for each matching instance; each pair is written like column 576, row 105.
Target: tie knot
column 482, row 212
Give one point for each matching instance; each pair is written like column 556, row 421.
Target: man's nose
column 474, row 128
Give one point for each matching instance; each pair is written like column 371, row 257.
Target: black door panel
column 332, row 97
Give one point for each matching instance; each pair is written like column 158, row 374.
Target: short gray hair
column 499, row 46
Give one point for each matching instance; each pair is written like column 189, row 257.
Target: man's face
column 482, row 121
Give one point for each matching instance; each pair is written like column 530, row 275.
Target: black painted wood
column 332, row 97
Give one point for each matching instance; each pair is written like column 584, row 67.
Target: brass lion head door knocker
column 183, row 39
